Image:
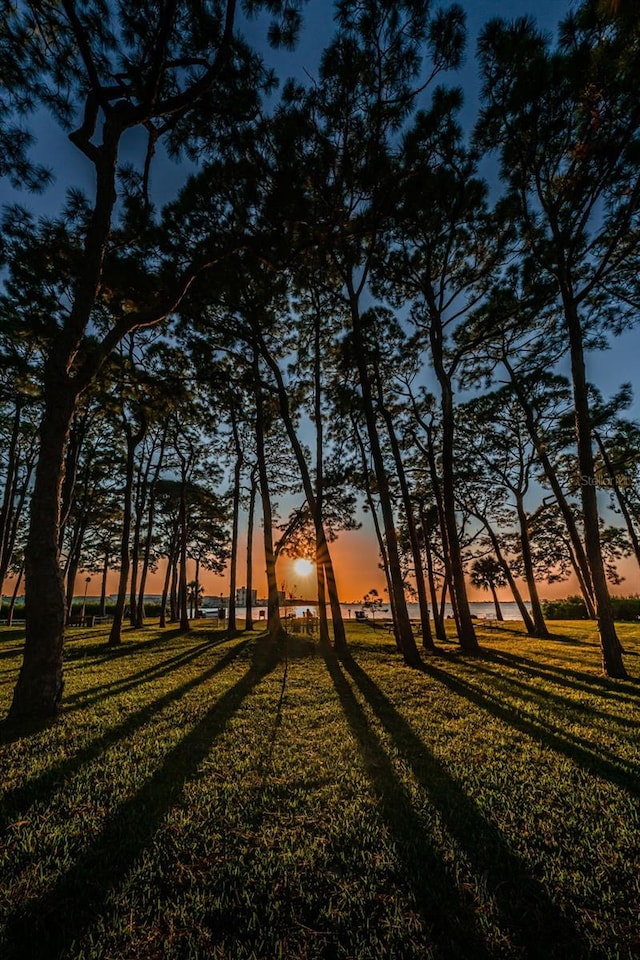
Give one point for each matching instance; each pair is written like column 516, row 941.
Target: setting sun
column 303, row 567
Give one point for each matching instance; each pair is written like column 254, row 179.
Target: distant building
column 241, row 597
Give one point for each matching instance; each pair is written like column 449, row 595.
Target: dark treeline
column 336, row 308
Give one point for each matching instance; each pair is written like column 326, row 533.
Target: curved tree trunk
column 551, row 476
column 496, row 602
column 529, row 625
column 620, row 497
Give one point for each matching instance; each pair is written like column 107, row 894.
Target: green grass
column 202, row 797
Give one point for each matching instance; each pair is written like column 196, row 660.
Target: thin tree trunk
column 166, row 583
column 376, row 523
column 620, row 497
column 462, row 612
column 529, row 573
column 405, row 636
column 103, row 585
column 553, row 481
column 14, row 596
column 182, row 588
column 496, row 602
column 443, row 598
column 150, row 523
column 323, row 620
column 529, row 625
column 248, row 625
column 133, row 439
column 427, row 637
column 438, row 623
column 235, row 523
column 9, row 492
column 274, row 624
column 612, row 662
column 339, row 635
column 173, row 592
column 140, row 503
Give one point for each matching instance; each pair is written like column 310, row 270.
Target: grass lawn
column 202, row 797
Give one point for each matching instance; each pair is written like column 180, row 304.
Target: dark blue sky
column 69, row 167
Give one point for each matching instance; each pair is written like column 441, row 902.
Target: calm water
column 509, row 610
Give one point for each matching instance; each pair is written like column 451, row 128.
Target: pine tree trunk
column 376, row 523
column 405, row 638
column 11, row 458
column 612, row 662
column 460, row 601
column 427, row 637
column 248, row 625
column 529, row 573
column 233, row 562
column 38, row 692
column 323, row 621
column 166, row 584
column 14, row 596
column 438, row 623
column 529, row 625
column 274, row 624
column 151, row 516
column 339, row 635
column 620, row 497
column 103, row 585
column 496, row 602
column 182, row 587
column 551, row 476
column 115, row 634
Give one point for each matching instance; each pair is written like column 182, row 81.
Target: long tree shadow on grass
column 568, row 676
column 78, row 648
column 46, row 927
column 38, row 790
column 82, row 698
column 529, row 692
column 534, row 924
column 613, row 768
column 447, row 914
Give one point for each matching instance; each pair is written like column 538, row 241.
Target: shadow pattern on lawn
column 47, row 927
column 591, row 758
column 528, row 692
column 526, row 912
column 38, row 790
column 447, row 914
column 89, row 695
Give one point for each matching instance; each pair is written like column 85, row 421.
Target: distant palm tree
column 194, row 595
column 488, row 574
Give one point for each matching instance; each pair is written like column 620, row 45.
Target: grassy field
column 206, row 797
